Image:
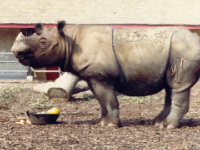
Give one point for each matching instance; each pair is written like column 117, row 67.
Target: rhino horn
column 19, row 43
column 21, row 36
column 39, row 28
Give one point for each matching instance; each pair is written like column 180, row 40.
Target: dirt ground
column 77, row 126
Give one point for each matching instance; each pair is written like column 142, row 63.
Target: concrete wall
column 101, row 12
column 7, row 37
column 153, row 12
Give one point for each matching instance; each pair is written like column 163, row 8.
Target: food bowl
column 41, row 118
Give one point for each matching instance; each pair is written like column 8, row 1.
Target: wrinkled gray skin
column 143, row 62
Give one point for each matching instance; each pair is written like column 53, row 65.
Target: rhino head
column 46, row 47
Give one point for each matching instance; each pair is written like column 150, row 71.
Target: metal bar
column 30, row 72
column 12, row 71
column 4, row 61
column 39, row 71
column 5, row 53
column 49, row 71
column 8, row 61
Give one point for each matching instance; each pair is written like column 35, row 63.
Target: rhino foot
column 106, row 123
column 166, row 124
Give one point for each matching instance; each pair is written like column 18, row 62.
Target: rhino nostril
column 16, row 54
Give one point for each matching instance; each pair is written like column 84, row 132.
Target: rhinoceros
column 135, row 62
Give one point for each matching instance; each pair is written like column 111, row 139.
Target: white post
column 62, row 87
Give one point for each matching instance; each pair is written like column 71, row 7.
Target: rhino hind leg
column 106, row 96
column 166, row 110
column 179, row 107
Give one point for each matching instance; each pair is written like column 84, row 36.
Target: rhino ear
column 39, row 28
column 61, row 25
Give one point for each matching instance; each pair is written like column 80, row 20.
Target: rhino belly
column 140, row 87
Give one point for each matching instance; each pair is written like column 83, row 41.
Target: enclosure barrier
column 29, row 70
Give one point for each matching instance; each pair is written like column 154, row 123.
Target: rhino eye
column 43, row 43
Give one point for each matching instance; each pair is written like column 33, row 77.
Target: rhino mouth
column 24, row 55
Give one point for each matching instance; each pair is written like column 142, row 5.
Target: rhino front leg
column 106, row 96
column 179, row 107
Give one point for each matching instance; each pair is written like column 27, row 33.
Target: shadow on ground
column 138, row 122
